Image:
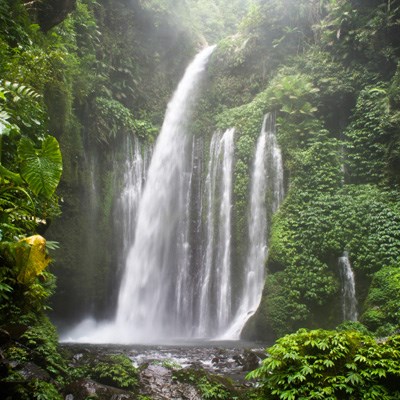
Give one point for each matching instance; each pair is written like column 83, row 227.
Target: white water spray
column 148, row 306
column 266, row 182
column 349, row 299
column 215, row 277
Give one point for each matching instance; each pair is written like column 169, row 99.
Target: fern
column 18, row 90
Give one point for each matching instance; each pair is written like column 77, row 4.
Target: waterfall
column 148, row 306
column 349, row 300
column 155, row 298
column 266, row 183
column 177, row 232
column 215, row 277
column 134, row 175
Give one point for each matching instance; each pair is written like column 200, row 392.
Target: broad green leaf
column 41, row 168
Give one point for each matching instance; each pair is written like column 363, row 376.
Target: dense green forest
column 78, row 78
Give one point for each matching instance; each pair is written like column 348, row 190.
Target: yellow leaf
column 31, row 258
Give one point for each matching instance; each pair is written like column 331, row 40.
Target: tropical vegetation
column 77, row 83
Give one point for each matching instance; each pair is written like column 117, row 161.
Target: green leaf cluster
column 382, row 313
column 329, row 365
column 115, row 370
column 36, row 343
column 212, row 391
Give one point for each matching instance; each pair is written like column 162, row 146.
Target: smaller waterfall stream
column 266, row 184
column 223, row 275
column 215, row 296
column 136, row 166
column 349, row 299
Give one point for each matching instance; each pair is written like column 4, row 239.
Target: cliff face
column 52, row 12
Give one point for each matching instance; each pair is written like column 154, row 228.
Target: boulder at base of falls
column 157, row 382
column 87, row 388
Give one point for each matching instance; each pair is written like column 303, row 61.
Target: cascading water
column 178, row 271
column 148, row 304
column 125, row 217
column 155, row 294
column 214, row 306
column 349, row 299
column 128, row 203
column 266, row 183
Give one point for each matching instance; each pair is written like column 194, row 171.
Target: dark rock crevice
column 52, row 12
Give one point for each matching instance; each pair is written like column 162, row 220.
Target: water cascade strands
column 214, row 306
column 135, row 170
column 266, row 194
column 349, row 299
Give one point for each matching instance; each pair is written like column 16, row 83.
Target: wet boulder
column 30, row 371
column 87, row 388
column 158, row 383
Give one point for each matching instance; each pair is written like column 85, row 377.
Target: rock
column 5, row 337
column 30, row 371
column 52, row 12
column 14, row 331
column 249, row 360
column 84, row 388
column 158, row 383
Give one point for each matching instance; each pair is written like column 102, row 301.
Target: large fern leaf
column 41, row 168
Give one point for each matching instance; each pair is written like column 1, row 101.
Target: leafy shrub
column 211, row 390
column 331, row 366
column 115, row 370
column 382, row 313
column 42, row 340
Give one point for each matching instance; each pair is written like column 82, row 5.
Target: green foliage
column 21, row 114
column 42, row 340
column 353, row 326
column 44, row 391
column 365, row 147
column 382, row 313
column 329, row 365
column 115, row 370
column 310, row 232
column 41, row 168
column 210, row 386
column 38, row 345
column 113, row 119
column 211, row 390
column 362, row 32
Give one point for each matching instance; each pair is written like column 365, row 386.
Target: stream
column 156, row 363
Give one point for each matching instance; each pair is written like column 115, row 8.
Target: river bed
column 233, row 359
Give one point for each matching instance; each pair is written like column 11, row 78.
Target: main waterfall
column 179, row 279
column 147, row 303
